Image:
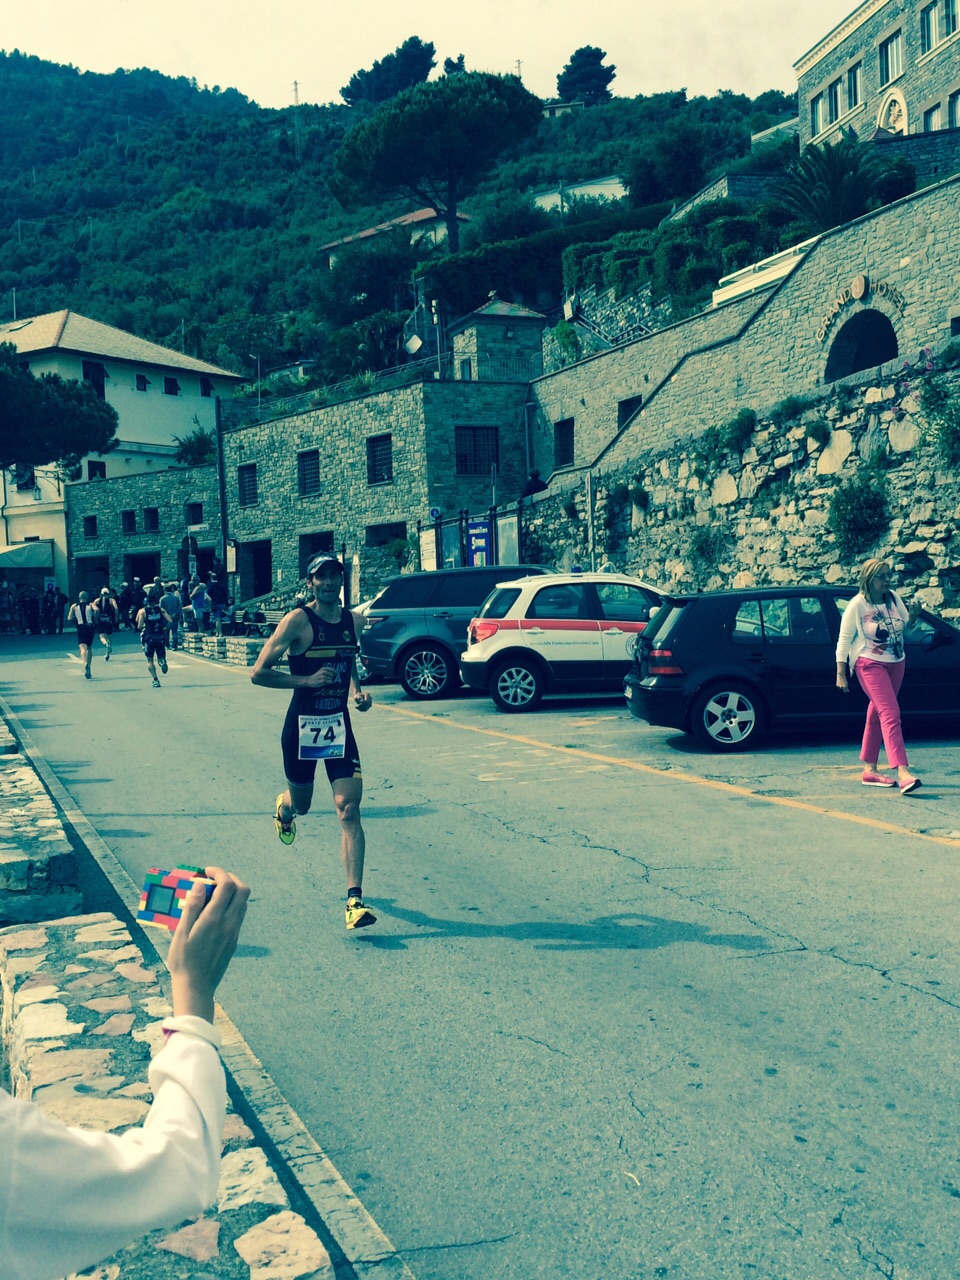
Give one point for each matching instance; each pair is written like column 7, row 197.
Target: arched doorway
column 866, row 340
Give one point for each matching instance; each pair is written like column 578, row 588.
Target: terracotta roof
column 405, row 220
column 68, row 331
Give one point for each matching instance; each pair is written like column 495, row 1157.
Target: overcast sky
column 261, row 49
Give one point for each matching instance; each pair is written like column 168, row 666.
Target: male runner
column 319, row 639
column 152, row 623
column 84, row 614
column 106, row 621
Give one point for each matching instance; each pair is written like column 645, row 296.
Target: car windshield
column 499, row 602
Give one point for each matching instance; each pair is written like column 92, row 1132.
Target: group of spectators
column 28, row 611
column 194, row 604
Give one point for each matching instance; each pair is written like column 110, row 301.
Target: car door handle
column 758, row 658
column 442, row 615
column 535, row 631
column 613, row 631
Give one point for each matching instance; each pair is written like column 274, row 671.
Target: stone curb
column 277, row 1242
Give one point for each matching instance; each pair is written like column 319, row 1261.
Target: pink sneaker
column 871, row 779
column 908, row 788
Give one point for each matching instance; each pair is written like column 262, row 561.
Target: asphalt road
column 630, row 1010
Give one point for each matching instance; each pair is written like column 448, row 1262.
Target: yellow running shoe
column 286, row 831
column 358, row 916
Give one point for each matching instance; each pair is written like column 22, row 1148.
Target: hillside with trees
column 193, row 217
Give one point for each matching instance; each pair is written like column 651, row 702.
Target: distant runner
column 84, row 614
column 107, row 621
column 319, row 639
column 152, row 623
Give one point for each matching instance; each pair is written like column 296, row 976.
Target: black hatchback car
column 727, row 666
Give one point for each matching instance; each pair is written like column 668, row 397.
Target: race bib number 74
column 322, row 737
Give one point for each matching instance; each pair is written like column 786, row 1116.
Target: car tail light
column 661, row 663
column 482, row 630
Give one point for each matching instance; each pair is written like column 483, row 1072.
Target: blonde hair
column 869, row 570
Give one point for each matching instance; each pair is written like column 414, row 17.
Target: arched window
column 866, row 340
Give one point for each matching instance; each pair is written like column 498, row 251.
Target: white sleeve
column 848, row 630
column 71, row 1197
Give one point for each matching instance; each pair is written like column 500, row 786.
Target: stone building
column 359, row 475
column 892, row 65
column 864, row 295
column 138, row 526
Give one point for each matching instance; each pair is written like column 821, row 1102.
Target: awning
column 27, row 555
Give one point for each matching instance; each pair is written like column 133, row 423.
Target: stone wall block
column 724, row 489
column 835, row 454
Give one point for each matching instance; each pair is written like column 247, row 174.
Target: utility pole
column 14, row 303
column 296, row 120
column 519, row 65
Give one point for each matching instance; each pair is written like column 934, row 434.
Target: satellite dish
column 413, row 345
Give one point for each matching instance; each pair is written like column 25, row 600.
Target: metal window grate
column 478, row 450
column 379, row 459
column 563, row 450
column 247, row 484
column 308, row 473
column 89, row 526
column 128, row 521
column 151, row 519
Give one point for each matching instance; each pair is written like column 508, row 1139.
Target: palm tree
column 832, row 183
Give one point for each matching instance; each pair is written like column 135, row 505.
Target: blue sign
column 435, row 513
column 478, row 542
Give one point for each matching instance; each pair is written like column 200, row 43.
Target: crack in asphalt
column 887, row 1271
column 509, row 1035
column 457, row 1244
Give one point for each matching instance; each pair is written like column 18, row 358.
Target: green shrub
column 568, row 341
column 941, row 409
column 638, row 494
column 819, row 431
column 735, row 436
column 614, row 517
column 845, row 397
column 787, row 410
column 859, row 512
column 769, row 496
column 707, row 547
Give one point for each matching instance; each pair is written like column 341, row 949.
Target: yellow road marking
column 678, row 775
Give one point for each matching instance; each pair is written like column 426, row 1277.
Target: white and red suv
column 567, row 633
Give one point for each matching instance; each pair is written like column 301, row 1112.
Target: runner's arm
column 274, row 651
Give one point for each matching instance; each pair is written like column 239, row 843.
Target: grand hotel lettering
column 858, row 291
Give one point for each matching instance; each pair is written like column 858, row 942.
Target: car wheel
column 727, row 718
column 517, row 686
column 427, row 673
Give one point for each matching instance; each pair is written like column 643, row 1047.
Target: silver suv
column 417, row 626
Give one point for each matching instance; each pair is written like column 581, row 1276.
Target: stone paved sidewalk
column 81, row 1018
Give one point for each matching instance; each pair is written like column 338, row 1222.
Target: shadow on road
column 625, row 931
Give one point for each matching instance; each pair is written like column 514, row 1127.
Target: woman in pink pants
column 871, row 644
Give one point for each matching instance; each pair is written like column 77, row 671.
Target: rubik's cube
column 161, row 899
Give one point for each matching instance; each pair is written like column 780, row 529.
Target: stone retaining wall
column 700, row 516
column 236, row 651
column 38, row 868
